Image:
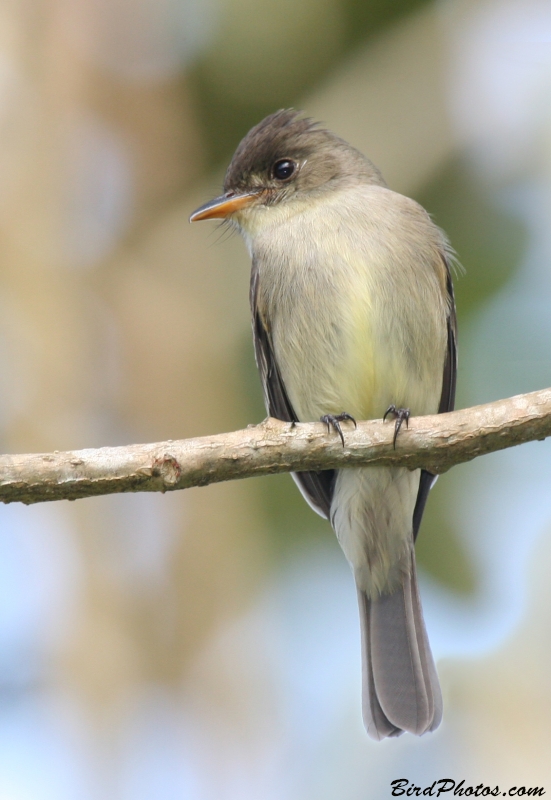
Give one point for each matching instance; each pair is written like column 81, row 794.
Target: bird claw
column 333, row 421
column 399, row 414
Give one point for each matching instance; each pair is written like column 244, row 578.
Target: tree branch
column 435, row 442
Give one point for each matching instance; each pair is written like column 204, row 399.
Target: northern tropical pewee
column 353, row 317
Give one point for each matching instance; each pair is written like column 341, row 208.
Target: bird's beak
column 223, row 206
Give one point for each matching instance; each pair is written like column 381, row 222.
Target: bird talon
column 400, row 415
column 344, row 417
column 333, row 421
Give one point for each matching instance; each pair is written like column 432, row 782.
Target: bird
column 353, row 317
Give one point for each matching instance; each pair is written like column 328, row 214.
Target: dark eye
column 284, row 169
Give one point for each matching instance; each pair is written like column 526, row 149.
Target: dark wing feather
column 447, row 399
column 317, row 487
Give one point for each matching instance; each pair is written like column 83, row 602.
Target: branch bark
column 434, row 442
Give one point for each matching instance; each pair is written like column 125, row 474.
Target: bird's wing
column 316, row 487
column 447, row 398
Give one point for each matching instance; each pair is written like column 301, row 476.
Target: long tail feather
column 400, row 684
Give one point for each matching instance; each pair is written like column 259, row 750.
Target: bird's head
column 286, row 158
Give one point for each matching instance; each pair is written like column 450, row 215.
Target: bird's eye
column 284, row 169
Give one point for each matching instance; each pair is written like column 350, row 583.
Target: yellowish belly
column 345, row 355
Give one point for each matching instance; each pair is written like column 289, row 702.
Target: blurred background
column 205, row 644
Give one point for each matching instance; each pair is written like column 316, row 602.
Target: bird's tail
column 400, row 685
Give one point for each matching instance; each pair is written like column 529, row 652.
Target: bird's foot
column 400, row 415
column 333, row 421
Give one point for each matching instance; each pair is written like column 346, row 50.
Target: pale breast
column 353, row 292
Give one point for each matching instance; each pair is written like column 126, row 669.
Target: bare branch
column 435, row 443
